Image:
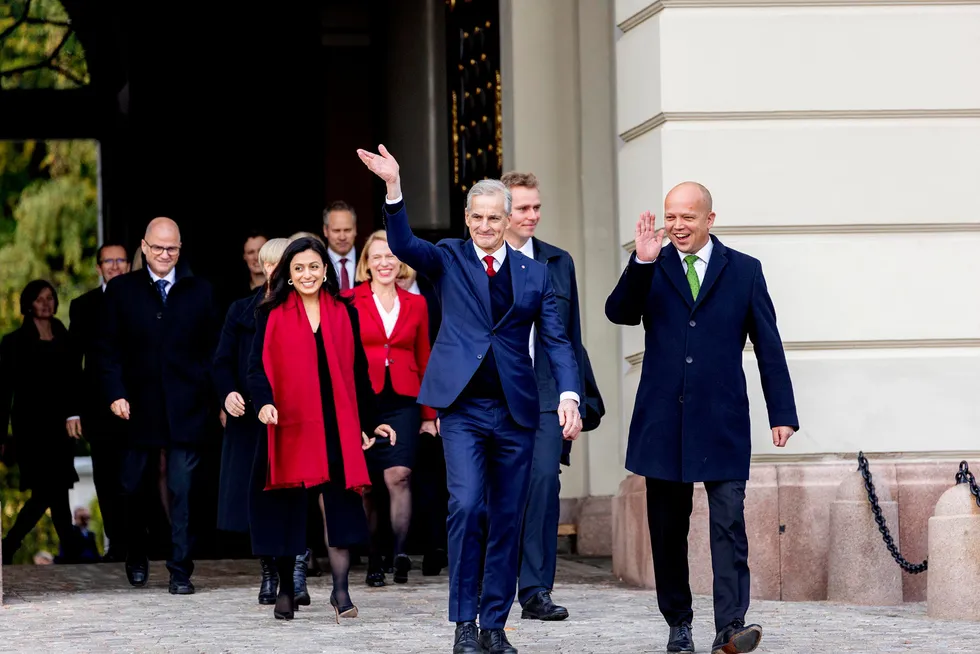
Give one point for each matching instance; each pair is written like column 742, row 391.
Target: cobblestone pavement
column 92, row 609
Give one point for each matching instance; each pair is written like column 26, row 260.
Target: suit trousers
column 539, row 540
column 139, row 466
column 488, row 463
column 669, row 506
column 107, row 467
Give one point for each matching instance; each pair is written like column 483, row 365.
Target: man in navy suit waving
column 698, row 301
column 481, row 379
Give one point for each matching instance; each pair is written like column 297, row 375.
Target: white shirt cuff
column 73, row 418
column 639, row 260
column 395, row 201
column 569, row 395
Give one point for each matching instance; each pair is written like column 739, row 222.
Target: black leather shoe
column 375, row 579
column 138, row 572
column 467, row 639
column 541, row 607
column 181, row 586
column 434, row 562
column 737, row 638
column 301, row 595
column 494, row 641
column 270, row 580
column 680, row 640
column 402, row 566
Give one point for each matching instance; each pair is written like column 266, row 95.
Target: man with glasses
column 86, row 324
column 155, row 357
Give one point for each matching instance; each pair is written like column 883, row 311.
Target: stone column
column 954, row 556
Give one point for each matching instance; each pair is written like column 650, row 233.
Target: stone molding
column 655, row 8
column 664, row 117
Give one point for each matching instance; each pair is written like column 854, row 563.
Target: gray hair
column 489, row 187
column 273, row 250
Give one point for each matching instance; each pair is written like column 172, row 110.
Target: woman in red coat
column 395, row 334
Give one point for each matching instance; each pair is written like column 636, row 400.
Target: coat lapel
column 404, row 307
column 518, row 278
column 675, row 273
column 716, row 264
column 478, row 276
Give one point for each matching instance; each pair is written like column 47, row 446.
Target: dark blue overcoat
column 691, row 415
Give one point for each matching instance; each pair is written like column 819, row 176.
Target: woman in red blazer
column 395, row 333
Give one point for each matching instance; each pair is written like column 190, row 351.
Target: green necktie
column 692, row 274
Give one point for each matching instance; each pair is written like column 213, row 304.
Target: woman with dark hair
column 38, row 370
column 309, row 376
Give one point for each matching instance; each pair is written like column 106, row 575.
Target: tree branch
column 45, row 21
column 17, row 23
column 67, row 73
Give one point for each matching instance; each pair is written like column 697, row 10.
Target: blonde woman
column 237, row 490
column 395, row 333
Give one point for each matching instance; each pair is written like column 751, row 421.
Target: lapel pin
column 522, row 267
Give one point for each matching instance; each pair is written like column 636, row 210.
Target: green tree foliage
column 38, row 47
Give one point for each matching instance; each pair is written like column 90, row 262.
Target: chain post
column 911, row 568
column 964, row 476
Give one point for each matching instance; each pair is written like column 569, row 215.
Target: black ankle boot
column 302, row 595
column 270, row 580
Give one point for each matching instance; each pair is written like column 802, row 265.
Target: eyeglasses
column 118, row 262
column 172, row 250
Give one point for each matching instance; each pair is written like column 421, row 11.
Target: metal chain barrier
column 964, row 476
column 911, row 568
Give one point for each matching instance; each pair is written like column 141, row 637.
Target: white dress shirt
column 351, row 264
column 170, row 279
column 700, row 266
column 388, row 318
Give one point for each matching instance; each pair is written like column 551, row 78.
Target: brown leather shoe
column 737, row 638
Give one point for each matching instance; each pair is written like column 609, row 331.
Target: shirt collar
column 350, row 256
column 499, row 255
column 171, row 277
column 527, row 249
column 704, row 254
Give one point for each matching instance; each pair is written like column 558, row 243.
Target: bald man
column 698, row 301
column 156, row 351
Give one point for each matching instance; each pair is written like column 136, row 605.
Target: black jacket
column 159, row 357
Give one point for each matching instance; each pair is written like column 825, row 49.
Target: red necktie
column 490, row 271
column 344, row 277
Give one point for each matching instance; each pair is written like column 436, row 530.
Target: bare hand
column 385, row 431
column 780, row 435
column 74, row 427
column 235, row 404
column 570, row 419
column 366, row 442
column 120, row 408
column 384, row 166
column 429, row 427
column 268, row 415
column 438, row 426
column 648, row 238
column 223, row 418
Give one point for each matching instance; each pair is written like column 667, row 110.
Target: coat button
column 479, row 356
column 159, row 315
column 689, row 360
column 692, row 323
column 681, row 399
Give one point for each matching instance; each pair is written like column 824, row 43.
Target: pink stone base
column 787, row 514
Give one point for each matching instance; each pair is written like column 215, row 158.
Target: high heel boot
column 301, row 593
column 270, row 580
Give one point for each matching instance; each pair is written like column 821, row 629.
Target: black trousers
column 669, row 506
column 41, row 500
column 107, row 467
column 138, row 466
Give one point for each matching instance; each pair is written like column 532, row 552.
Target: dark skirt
column 238, row 450
column 404, row 415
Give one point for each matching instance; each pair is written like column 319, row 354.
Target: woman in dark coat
column 309, row 376
column 242, row 427
column 39, row 371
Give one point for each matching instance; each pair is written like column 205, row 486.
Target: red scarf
column 297, row 449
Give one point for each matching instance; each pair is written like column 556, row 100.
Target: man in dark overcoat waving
column 698, row 301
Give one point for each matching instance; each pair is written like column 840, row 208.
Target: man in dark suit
column 698, row 301
column 539, row 539
column 102, row 430
column 156, row 366
column 481, row 378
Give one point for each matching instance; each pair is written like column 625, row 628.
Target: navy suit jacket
column 691, row 416
column 467, row 329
